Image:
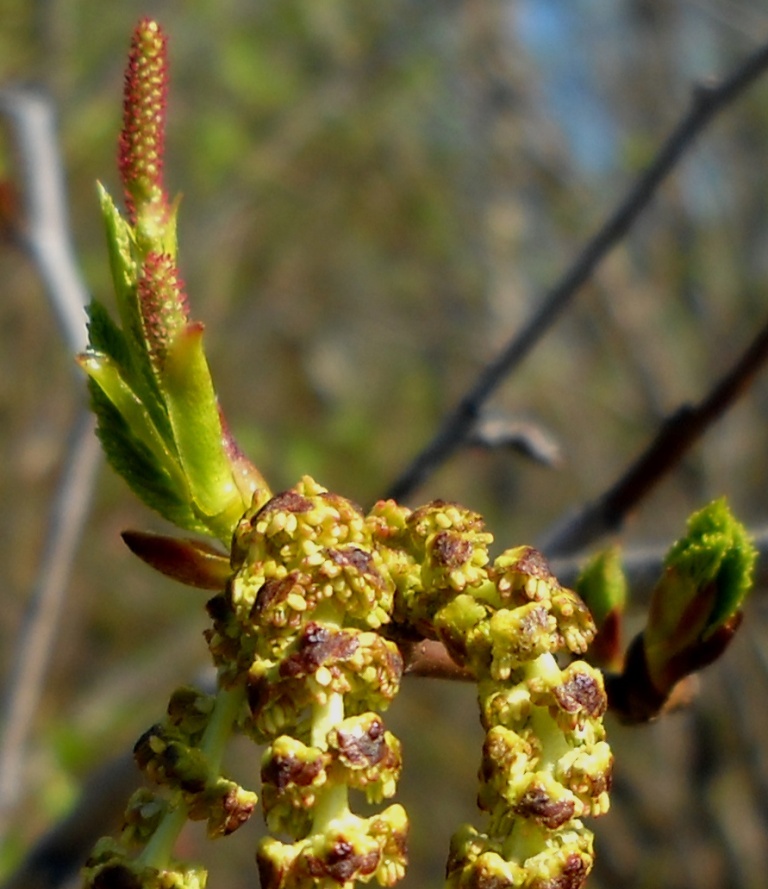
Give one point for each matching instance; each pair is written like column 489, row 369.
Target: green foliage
column 716, row 551
column 602, row 585
column 150, row 383
column 696, row 605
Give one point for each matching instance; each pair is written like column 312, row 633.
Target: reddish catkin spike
column 142, row 139
column 163, row 304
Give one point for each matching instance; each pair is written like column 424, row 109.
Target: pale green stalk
column 159, row 849
column 332, row 802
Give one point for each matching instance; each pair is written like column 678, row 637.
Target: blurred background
column 375, row 197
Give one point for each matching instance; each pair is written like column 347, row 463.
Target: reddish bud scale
column 163, row 304
column 142, row 139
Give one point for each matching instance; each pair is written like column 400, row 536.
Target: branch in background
column 642, row 566
column 708, row 101
column 673, row 440
column 495, row 432
column 35, row 640
column 44, row 234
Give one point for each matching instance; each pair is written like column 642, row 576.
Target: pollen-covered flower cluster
column 545, row 762
column 303, row 640
column 298, row 626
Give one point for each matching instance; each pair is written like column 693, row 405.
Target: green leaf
column 105, row 336
column 122, row 259
column 124, row 262
column 194, row 415
column 106, row 374
column 130, row 458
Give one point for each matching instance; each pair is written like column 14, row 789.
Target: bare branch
column 495, row 432
column 45, row 235
column 707, row 102
column 36, row 637
column 45, row 230
column 673, row 440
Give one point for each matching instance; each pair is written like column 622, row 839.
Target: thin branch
column 672, row 441
column 44, row 233
column 36, row 637
column 707, row 102
column 495, row 432
column 642, row 566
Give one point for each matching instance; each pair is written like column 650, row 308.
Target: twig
column 36, row 637
column 643, row 565
column 45, row 235
column 493, row 432
column 675, row 437
column 707, row 102
column 45, row 232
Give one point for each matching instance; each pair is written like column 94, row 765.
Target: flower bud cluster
column 297, row 626
column 545, row 761
column 171, row 756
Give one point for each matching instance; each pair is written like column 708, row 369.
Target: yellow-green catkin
column 299, row 626
column 545, row 762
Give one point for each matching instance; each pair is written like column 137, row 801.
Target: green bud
column 602, row 585
column 696, row 604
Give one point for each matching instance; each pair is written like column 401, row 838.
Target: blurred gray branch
column 672, row 441
column 496, row 432
column 44, row 233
